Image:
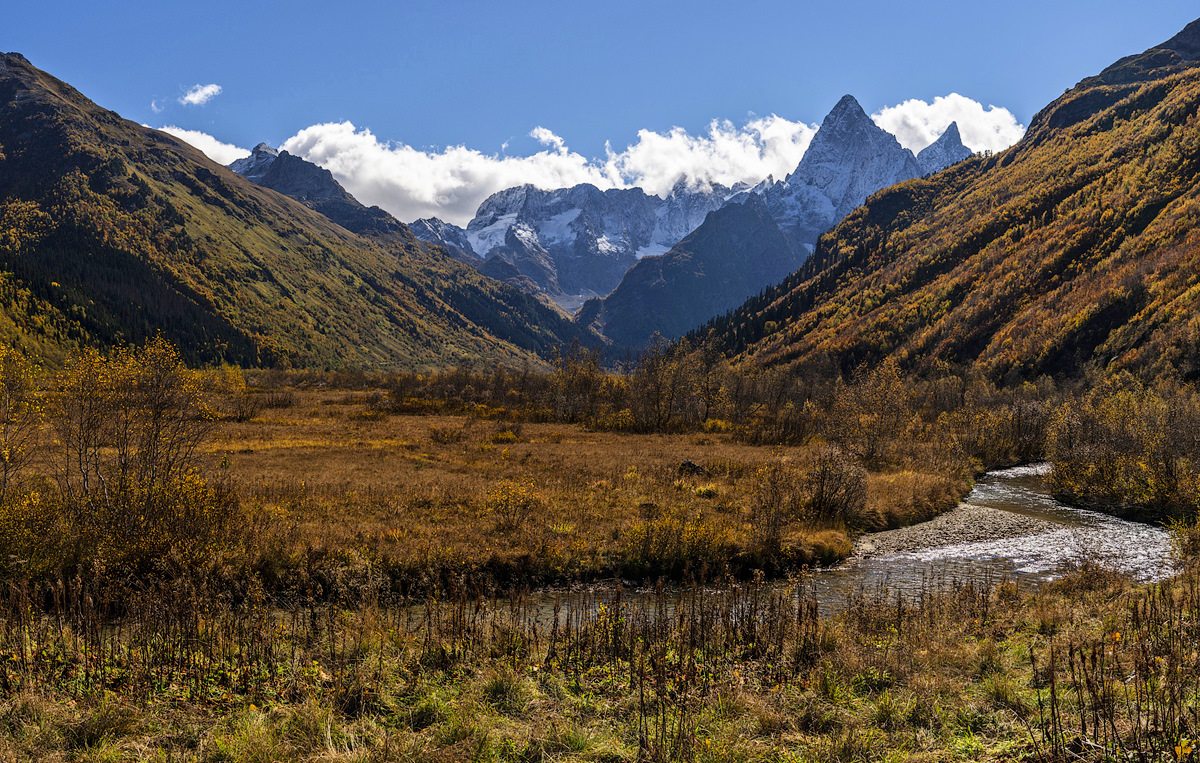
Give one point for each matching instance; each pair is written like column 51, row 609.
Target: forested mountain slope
column 112, row 232
column 731, row 256
column 1077, row 247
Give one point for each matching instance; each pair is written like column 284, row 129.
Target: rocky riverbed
column 1010, row 525
column 968, row 523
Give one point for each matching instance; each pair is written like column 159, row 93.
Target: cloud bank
column 726, row 154
column 450, row 183
column 221, row 153
column 916, row 123
column 198, row 95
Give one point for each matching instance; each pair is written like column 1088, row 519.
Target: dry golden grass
column 421, row 492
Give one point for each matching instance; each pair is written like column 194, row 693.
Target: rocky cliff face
column 450, row 237
column 575, row 243
column 256, row 164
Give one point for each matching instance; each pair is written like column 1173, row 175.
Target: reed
column 674, row 672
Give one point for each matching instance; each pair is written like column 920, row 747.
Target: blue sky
column 484, row 74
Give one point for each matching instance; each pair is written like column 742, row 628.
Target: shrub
column 775, row 502
column 835, row 487
column 243, row 407
column 21, row 415
column 514, row 504
column 1129, row 449
column 506, row 434
column 280, row 398
column 127, row 492
column 445, row 435
column 672, row 541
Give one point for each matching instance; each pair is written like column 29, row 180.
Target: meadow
column 221, row 565
column 430, row 497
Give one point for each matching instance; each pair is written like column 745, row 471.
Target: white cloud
column 221, row 153
column 916, row 123
column 198, row 95
column 547, row 139
column 452, row 182
column 726, row 154
column 155, row 107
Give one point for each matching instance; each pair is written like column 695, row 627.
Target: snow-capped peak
column 849, row 158
column 254, row 166
column 948, row 149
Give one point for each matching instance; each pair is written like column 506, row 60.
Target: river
column 1008, row 527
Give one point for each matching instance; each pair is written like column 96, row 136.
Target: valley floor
column 395, row 610
column 529, row 504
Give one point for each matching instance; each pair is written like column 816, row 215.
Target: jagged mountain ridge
column 576, row 242
column 450, row 237
column 1075, row 249
column 944, row 152
column 580, row 241
column 315, row 188
column 114, row 232
column 850, row 158
column 256, row 164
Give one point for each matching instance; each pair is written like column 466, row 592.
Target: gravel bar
column 967, row 523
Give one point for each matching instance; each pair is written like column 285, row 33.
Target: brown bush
column 835, row 487
column 776, row 501
column 126, row 493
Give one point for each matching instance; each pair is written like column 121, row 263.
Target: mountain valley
column 894, row 457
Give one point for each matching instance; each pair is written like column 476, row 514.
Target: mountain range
column 581, row 242
column 742, row 249
column 625, row 246
column 1074, row 251
column 575, row 243
column 736, row 252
